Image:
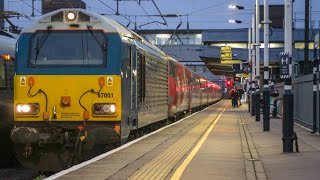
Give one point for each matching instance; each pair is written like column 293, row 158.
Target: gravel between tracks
column 18, row 174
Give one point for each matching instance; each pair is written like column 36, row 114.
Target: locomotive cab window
column 68, row 48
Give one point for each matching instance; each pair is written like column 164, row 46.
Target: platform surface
column 220, row 142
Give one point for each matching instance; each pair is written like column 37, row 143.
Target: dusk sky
column 202, row 14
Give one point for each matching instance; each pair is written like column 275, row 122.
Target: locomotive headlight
column 25, row 108
column 19, row 108
column 112, row 108
column 71, row 16
column 29, row 108
column 104, row 109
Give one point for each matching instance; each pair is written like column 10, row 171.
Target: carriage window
column 142, row 77
column 7, row 70
column 68, row 48
column 3, row 83
column 172, row 68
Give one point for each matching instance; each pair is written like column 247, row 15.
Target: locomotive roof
column 97, row 21
column 108, row 25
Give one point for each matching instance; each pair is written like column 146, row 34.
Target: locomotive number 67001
column 105, row 95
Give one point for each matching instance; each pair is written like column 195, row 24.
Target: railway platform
column 219, row 142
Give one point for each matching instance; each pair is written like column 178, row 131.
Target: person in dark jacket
column 234, row 97
column 241, row 92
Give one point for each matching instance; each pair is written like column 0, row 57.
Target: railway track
column 19, row 174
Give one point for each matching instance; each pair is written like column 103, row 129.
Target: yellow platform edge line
column 186, row 162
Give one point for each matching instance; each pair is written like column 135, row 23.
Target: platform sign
column 284, row 68
column 225, row 54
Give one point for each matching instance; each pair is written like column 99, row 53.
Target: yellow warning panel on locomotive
column 67, row 98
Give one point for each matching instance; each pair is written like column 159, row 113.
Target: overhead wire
column 198, row 15
column 114, row 10
column 18, row 15
column 145, row 11
column 31, row 6
column 214, row 5
column 165, row 22
column 177, row 22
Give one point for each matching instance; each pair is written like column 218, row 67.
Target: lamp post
column 287, row 119
column 252, row 58
column 266, row 91
column 253, row 73
column 250, row 61
column 257, row 44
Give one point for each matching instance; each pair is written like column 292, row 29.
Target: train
column 84, row 84
column 7, row 43
column 7, row 56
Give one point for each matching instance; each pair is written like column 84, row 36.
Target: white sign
column 109, row 81
column 23, row 81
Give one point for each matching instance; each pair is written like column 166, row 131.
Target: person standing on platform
column 241, row 92
column 234, row 97
column 231, row 95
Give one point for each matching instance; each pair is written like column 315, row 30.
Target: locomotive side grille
column 156, row 83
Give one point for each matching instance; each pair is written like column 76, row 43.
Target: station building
column 200, row 49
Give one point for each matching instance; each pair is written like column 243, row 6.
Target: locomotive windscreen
column 68, row 48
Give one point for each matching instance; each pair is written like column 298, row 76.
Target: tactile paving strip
column 161, row 165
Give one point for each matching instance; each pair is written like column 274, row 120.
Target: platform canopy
column 215, row 66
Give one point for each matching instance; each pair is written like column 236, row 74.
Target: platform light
column 234, row 21
column 6, row 57
column 232, row 6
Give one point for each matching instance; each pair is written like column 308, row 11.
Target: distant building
column 52, row 5
column 200, row 49
column 185, row 46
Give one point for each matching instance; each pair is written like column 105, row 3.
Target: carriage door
column 133, row 80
